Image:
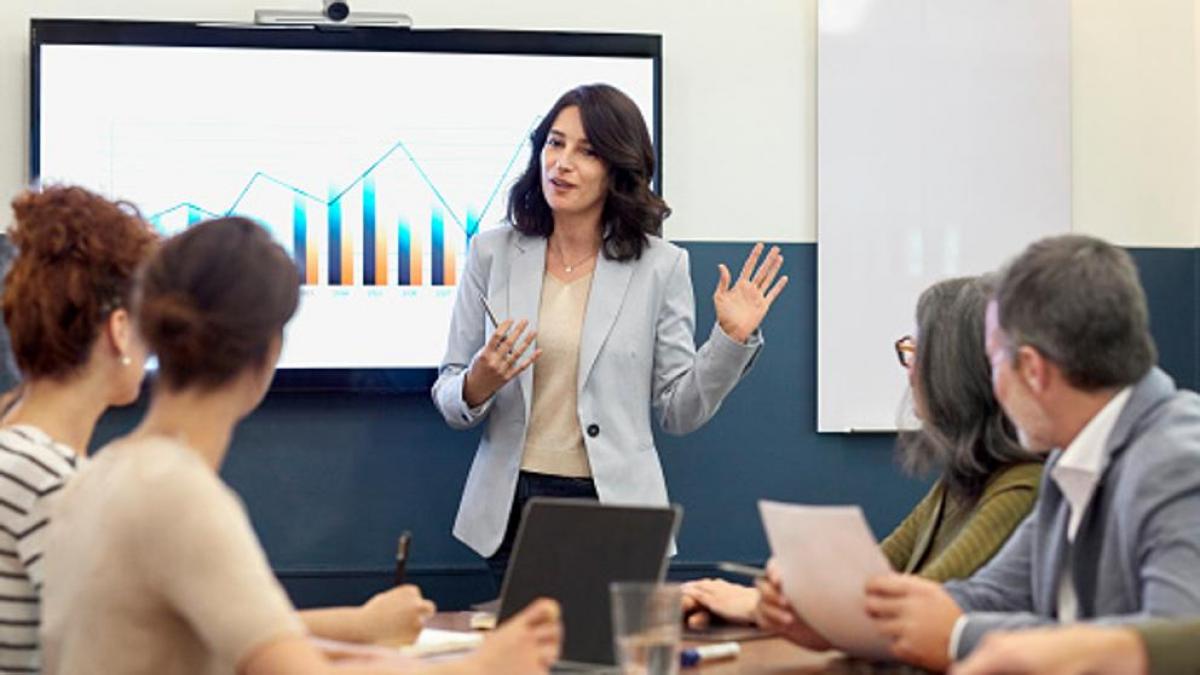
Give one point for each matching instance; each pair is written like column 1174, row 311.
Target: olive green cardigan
column 1172, row 645
column 942, row 539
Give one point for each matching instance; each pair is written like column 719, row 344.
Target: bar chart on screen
column 374, row 171
column 391, row 224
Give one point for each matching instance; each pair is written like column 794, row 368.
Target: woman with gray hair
column 988, row 482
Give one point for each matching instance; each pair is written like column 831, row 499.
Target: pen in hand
column 488, row 309
column 402, row 544
column 741, row 570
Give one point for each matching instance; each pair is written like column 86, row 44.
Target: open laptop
column 571, row 550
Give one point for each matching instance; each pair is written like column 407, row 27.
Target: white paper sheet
column 436, row 641
column 351, row 651
column 825, row 556
column 431, row 642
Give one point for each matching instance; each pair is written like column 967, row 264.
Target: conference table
column 768, row 656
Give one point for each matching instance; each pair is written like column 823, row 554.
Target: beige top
column 153, row 567
column 554, row 440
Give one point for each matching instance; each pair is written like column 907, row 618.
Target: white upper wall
column 739, row 103
column 1135, row 116
column 738, row 92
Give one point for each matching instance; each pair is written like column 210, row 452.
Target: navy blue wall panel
column 1170, row 279
column 330, row 480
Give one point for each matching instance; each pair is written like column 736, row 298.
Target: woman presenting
column 604, row 307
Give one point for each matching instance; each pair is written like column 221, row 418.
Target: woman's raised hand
column 742, row 306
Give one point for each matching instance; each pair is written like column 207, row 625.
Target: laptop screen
column 571, row 550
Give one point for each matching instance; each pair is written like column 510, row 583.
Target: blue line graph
column 337, row 194
column 192, row 208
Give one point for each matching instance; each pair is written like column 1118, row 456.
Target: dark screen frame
column 45, row 32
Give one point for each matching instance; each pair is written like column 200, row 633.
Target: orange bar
column 450, row 275
column 310, row 263
column 414, row 277
column 380, row 257
column 347, row 261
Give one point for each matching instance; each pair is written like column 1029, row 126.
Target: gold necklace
column 571, row 268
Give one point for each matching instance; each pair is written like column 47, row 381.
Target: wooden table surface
column 770, row 656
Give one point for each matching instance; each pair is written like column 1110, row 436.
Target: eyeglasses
column 906, row 351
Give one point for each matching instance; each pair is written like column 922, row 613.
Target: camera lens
column 336, row 10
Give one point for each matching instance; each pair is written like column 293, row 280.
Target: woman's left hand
column 742, row 306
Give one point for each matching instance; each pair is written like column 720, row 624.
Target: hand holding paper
column 824, row 557
column 775, row 614
column 918, row 616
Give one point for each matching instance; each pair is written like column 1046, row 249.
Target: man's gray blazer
column 637, row 350
column 1137, row 551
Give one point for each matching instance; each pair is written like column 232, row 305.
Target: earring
column 125, row 360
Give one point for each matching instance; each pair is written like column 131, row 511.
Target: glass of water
column 647, row 626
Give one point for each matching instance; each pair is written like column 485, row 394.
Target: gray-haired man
column 1115, row 534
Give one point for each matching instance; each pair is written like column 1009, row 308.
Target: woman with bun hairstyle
column 154, row 567
column 66, row 305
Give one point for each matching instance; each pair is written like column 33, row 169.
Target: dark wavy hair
column 618, row 134
column 964, row 431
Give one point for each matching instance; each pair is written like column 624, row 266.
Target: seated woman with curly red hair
column 66, row 301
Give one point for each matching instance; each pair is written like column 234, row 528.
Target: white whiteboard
column 943, row 148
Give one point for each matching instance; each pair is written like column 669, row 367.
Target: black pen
column 488, row 308
column 402, row 555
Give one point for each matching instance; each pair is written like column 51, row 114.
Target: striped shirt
column 33, row 470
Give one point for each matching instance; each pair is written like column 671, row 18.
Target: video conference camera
column 334, row 13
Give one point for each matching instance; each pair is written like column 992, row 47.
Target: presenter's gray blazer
column 1137, row 551
column 637, row 350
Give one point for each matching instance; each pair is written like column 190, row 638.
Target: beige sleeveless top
column 554, row 440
